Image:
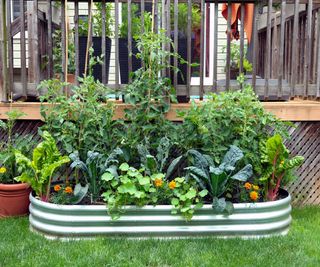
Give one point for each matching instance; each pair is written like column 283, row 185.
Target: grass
column 20, row 247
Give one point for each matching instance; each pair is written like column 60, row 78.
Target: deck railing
column 284, row 50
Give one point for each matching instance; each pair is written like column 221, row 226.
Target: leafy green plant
column 57, row 52
column 157, row 163
column 135, row 21
column 229, row 118
column 94, row 166
column 25, row 143
column 150, row 93
column 278, row 166
column 133, row 186
column 183, row 18
column 213, row 178
column 186, row 198
column 129, row 187
column 45, row 161
column 97, row 22
column 80, row 122
column 235, row 57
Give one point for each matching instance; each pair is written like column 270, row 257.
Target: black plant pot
column 123, row 59
column 97, row 47
column 182, row 74
column 234, row 73
column 183, row 52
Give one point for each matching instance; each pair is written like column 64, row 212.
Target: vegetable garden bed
column 249, row 220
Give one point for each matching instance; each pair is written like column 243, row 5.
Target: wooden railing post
column 33, row 43
column 3, row 53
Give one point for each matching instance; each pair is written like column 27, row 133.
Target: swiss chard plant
column 212, row 178
column 39, row 170
column 278, row 166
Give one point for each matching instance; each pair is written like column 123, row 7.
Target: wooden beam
column 287, row 111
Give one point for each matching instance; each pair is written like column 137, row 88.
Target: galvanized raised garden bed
column 74, row 221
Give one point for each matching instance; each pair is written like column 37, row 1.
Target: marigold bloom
column 68, row 190
column 3, row 170
column 255, row 187
column 254, row 195
column 172, row 185
column 247, row 186
column 158, row 182
column 57, row 188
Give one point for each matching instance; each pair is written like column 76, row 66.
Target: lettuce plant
column 38, row 171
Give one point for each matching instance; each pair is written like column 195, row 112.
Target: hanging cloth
column 236, row 15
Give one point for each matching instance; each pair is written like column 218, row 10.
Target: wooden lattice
column 305, row 141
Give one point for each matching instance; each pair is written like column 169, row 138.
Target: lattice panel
column 305, row 141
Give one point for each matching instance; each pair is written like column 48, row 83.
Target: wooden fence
column 284, row 52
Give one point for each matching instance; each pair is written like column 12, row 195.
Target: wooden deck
column 296, row 110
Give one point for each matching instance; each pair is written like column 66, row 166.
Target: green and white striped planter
column 249, row 220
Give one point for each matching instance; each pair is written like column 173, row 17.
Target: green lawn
column 19, row 247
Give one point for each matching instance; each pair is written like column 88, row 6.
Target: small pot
column 14, row 199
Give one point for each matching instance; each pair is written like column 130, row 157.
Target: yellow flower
column 3, row 170
column 172, row 185
column 57, row 188
column 247, row 186
column 254, row 195
column 68, row 190
column 255, row 187
column 158, row 182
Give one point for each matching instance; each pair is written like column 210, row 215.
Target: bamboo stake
column 66, row 42
column 88, row 39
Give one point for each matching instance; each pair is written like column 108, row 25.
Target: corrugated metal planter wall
column 74, row 221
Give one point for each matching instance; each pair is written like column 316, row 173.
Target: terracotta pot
column 14, row 199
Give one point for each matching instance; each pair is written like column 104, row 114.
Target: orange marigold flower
column 247, row 186
column 158, row 182
column 68, row 190
column 57, row 188
column 172, row 185
column 255, row 187
column 254, row 195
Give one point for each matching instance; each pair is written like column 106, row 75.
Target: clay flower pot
column 14, row 199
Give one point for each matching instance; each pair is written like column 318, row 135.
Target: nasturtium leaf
column 203, row 193
column 191, row 193
column 175, row 201
column 124, row 167
column 107, row 176
column 144, row 180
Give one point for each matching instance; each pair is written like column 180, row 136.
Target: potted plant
column 57, row 56
column 123, row 40
column 182, row 35
column 235, row 61
column 96, row 41
column 14, row 197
